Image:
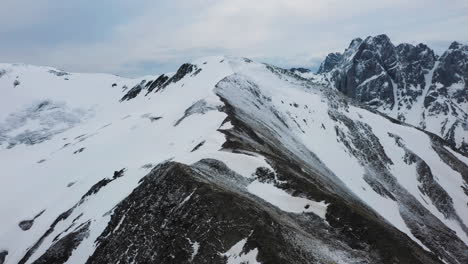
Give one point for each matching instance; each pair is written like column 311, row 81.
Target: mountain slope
column 409, row 83
column 226, row 160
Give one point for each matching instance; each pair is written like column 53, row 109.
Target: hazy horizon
column 144, row 37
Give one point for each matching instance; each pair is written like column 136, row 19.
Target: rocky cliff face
column 410, row 83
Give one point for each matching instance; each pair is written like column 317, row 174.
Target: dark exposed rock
column 361, row 141
column 26, row 224
column 440, row 198
column 57, row 237
column 3, row 254
column 132, row 93
column 199, row 107
column 79, row 150
column 39, row 214
column 59, row 73
column 100, row 184
column 175, row 215
column 61, row 250
column 415, row 62
column 453, row 66
column 367, row 75
column 80, row 136
column 154, row 118
column 118, row 174
column 158, row 83
column 264, row 174
column 378, row 187
column 196, row 72
column 185, row 69
column 450, row 86
column 199, row 145
column 95, row 188
column 331, row 61
column 43, row 105
column 301, row 70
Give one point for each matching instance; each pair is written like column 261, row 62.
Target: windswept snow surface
column 54, row 173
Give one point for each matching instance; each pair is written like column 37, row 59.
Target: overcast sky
column 138, row 37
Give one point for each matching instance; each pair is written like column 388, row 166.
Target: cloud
column 17, row 14
column 154, row 36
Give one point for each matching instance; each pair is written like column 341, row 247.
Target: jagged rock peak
column 421, row 51
column 379, row 39
column 408, row 82
column 331, row 61
column 355, row 42
column 457, row 45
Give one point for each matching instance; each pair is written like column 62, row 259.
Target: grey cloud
column 137, row 37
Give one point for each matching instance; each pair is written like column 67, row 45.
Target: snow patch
column 235, row 254
column 195, row 247
column 285, row 201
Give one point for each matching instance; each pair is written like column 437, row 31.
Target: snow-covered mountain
column 224, row 161
column 407, row 82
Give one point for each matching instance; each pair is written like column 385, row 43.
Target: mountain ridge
column 228, row 143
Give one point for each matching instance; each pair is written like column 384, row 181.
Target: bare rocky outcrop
column 403, row 79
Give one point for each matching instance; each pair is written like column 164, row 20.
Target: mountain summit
column 407, row 82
